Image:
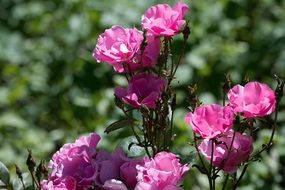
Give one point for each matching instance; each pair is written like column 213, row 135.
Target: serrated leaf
column 4, row 174
column 118, row 125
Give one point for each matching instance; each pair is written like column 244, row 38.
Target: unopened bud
column 39, row 171
column 186, row 32
column 193, row 99
column 44, row 171
column 31, row 163
column 227, row 84
column 246, row 79
column 279, row 91
column 119, row 103
column 19, row 172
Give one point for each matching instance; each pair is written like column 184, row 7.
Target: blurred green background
column 51, row 90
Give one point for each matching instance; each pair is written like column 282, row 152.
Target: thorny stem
column 212, row 168
column 225, row 182
column 270, row 142
column 212, row 155
column 230, row 149
column 224, row 99
column 126, row 67
column 214, row 179
column 132, row 126
column 146, row 140
column 240, row 177
column 146, row 126
column 172, row 58
column 166, row 51
column 202, row 162
column 179, row 60
column 19, row 173
column 171, row 125
column 280, row 87
column 268, row 145
column 23, row 184
column 164, row 139
column 137, row 136
column 34, row 181
column 274, row 125
column 150, row 130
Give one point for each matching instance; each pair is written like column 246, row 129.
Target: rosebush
column 146, row 61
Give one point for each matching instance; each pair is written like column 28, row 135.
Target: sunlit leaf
column 4, row 174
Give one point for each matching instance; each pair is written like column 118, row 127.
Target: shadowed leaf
column 4, row 174
column 118, row 125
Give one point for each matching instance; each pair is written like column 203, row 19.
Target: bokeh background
column 51, row 90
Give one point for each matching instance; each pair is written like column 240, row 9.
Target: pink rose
column 68, row 183
column 253, row 100
column 144, row 89
column 162, row 20
column 162, row 172
column 225, row 158
column 147, row 186
column 121, row 48
column 210, row 120
column 73, row 164
column 114, row 185
column 85, row 145
column 128, row 172
column 78, row 166
column 150, row 54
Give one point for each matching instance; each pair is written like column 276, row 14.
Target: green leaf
column 4, row 174
column 118, row 125
column 200, row 168
column 130, row 147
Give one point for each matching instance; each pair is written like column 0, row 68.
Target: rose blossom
column 223, row 157
column 128, row 172
column 68, row 183
column 109, row 165
column 210, row 120
column 121, row 48
column 163, row 172
column 72, row 166
column 253, row 100
column 162, row 20
column 147, row 186
column 114, row 185
column 144, row 89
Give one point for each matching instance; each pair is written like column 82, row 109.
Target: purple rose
column 144, row 89
column 128, row 172
column 109, row 165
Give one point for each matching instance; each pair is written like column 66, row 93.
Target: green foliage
column 4, row 174
column 51, row 90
